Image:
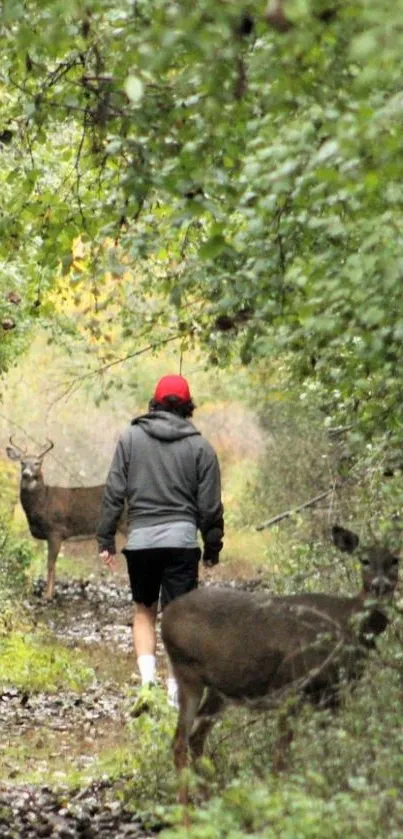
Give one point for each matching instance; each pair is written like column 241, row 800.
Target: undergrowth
column 16, row 556
column 278, row 810
column 33, row 663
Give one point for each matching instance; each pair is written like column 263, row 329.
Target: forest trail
column 46, row 736
column 59, row 750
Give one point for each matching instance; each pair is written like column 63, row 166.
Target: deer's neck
column 32, row 492
column 359, row 599
column 34, row 499
column 367, row 600
column 373, row 619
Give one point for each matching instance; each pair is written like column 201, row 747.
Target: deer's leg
column 189, row 700
column 54, row 543
column 207, row 713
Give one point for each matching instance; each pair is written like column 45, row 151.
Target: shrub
column 35, row 663
column 16, row 556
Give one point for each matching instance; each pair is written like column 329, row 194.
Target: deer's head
column 31, row 464
column 380, row 567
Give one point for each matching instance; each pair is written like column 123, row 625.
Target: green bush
column 35, row 663
column 8, row 490
column 153, row 778
column 297, row 464
column 16, row 556
column 286, row 811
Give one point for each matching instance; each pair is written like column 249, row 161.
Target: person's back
column 168, row 476
column 171, row 473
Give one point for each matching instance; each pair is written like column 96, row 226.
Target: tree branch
column 288, row 513
column 77, row 382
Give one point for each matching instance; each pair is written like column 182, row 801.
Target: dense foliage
column 244, row 165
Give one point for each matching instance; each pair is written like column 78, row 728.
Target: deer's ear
column 13, row 453
column 345, row 540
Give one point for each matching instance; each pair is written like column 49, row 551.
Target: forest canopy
column 224, row 173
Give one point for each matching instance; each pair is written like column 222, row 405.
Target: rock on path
column 28, row 812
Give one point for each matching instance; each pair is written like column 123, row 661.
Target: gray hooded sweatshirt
column 166, row 472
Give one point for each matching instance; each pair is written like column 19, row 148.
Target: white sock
column 172, row 686
column 147, row 667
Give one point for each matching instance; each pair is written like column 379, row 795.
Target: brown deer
column 54, row 513
column 229, row 646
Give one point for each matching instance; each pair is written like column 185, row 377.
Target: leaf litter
column 45, row 736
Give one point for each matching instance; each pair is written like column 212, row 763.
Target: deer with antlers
column 54, row 513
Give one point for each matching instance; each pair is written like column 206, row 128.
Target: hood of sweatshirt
column 165, row 426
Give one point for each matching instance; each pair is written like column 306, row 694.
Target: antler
column 47, row 449
column 23, row 451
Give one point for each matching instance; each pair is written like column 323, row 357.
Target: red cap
column 172, row 386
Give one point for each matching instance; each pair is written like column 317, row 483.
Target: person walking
column 168, row 476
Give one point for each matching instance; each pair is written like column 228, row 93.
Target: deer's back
column 356, row 616
column 339, row 608
column 69, row 511
column 243, row 644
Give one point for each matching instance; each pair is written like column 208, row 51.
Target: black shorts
column 166, row 571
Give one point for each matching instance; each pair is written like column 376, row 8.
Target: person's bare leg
column 145, row 640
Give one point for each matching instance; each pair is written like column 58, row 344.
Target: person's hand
column 109, row 559
column 210, row 560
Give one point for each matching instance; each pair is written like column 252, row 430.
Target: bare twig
column 297, row 686
column 29, row 436
column 73, row 386
column 79, row 174
column 288, row 513
column 338, row 430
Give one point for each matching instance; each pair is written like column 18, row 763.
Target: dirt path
column 33, row 811
column 44, row 736
column 47, row 737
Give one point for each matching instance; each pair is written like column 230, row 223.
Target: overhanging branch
column 304, row 506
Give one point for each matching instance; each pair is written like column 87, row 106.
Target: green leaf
column 134, row 89
column 213, row 247
column 67, row 262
